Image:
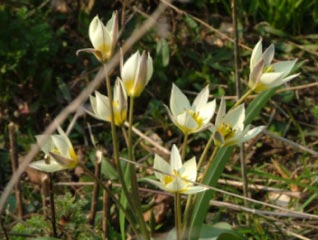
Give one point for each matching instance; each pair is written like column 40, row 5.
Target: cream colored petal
column 284, row 66
column 156, row 183
column 102, row 106
column 178, row 101
column 177, row 185
column 202, row 98
column 235, row 117
column 269, row 78
column 149, row 68
column 41, row 165
column 206, row 112
column 252, row 133
column 256, row 54
column 48, row 144
column 268, row 55
column 221, row 113
column 61, row 145
column 162, row 166
column 194, row 189
column 187, row 123
column 175, row 158
column 189, row 170
column 130, row 68
column 284, row 80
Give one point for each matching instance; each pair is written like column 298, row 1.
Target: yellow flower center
column 226, row 130
column 196, row 117
column 269, row 69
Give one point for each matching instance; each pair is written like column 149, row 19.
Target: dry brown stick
column 75, row 104
column 106, row 211
column 98, row 162
column 15, row 165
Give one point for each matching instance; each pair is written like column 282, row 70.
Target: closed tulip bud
column 103, row 38
column 136, row 73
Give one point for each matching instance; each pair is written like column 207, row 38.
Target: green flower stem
column 134, row 185
column 115, row 140
column 249, row 92
column 205, row 152
column 109, row 192
column 190, row 200
column 184, row 146
column 216, row 149
column 177, row 215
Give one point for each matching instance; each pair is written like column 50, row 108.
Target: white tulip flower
column 136, row 73
column 264, row 74
column 103, row 38
column 179, row 177
column 191, row 118
column 101, row 108
column 59, row 153
column 229, row 127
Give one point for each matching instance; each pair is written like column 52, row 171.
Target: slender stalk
column 52, row 205
column 177, row 215
column 238, row 93
column 115, row 139
column 106, row 212
column 216, row 149
column 92, row 214
column 184, row 146
column 242, row 98
column 205, row 152
column 15, row 165
column 133, row 175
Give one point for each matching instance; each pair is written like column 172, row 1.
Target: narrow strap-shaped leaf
column 214, row 172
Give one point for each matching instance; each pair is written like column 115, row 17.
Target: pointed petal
column 206, row 112
column 149, row 68
column 269, row 78
column 268, row 55
column 256, row 73
column 48, row 144
column 177, row 185
column 202, row 98
column 178, row 101
column 129, row 69
column 235, row 118
column 175, row 158
column 61, row 145
column 284, row 66
column 161, row 165
column 282, row 81
column 41, row 165
column 221, row 113
column 256, row 54
column 189, row 170
column 186, row 123
column 194, row 189
column 252, row 133
column 156, row 183
column 102, row 106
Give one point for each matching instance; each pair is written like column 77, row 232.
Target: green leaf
column 201, row 205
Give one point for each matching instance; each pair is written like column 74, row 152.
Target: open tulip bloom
column 191, row 118
column 265, row 75
column 59, row 153
column 179, row 178
column 101, row 108
column 136, row 73
column 229, row 127
column 103, row 38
